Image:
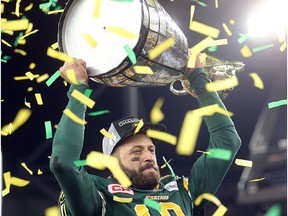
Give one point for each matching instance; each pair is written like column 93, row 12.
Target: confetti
column 261, row 48
column 156, row 51
column 31, row 76
column 29, row 7
column 82, row 98
column 246, row 52
column 203, row 152
column 257, row 80
column 7, row 180
column 72, row 77
column 17, row 8
column 216, row 4
column 22, row 116
column 30, row 33
column 222, row 84
column 277, row 103
column 22, row 52
column 91, row 41
column 122, row 199
column 170, row 168
column 88, row 92
column 55, row 11
column 243, row 38
column 59, row 55
column 156, row 115
column 152, row 204
column 226, row 29
column 80, row 163
column 19, row 182
column 283, row 46
column 26, row 168
column 30, row 27
column 256, row 180
column 139, row 126
column 222, row 154
column 245, row 163
column 42, row 78
column 27, row 103
column 73, row 117
column 232, row 21
column 165, row 164
column 204, row 29
column 218, row 42
column 39, row 172
column 38, row 98
column 53, row 78
column 32, row 65
column 160, row 135
column 54, row 45
column 6, row 43
column 48, row 129
column 200, row 3
column 106, row 133
column 122, row 32
column 46, row 5
column 52, row 211
column 208, row 197
column 130, row 53
column 15, row 25
column 101, row 112
column 220, row 211
column 142, row 69
column 192, row 11
column 274, row 210
column 97, row 8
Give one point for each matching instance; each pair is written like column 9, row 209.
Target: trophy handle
column 178, row 92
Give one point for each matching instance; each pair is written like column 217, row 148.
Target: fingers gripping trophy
column 104, row 34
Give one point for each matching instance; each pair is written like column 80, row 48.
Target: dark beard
column 141, row 181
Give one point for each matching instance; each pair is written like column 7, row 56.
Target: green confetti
column 275, row 210
column 277, row 103
column 46, row 5
column 88, row 92
column 212, row 48
column 200, row 3
column 53, row 78
column 101, row 112
column 80, row 163
column 170, row 168
column 3, row 60
column 48, row 129
column 257, row 49
column 243, row 38
column 130, row 53
column 152, row 204
column 222, row 154
column 17, row 39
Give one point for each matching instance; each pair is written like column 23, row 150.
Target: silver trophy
column 140, row 25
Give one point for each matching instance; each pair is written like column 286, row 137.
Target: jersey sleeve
column 207, row 173
column 81, row 195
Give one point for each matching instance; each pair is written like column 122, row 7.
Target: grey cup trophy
column 141, row 25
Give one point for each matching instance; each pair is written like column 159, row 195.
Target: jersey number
column 142, row 210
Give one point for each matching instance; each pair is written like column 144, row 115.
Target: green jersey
column 89, row 195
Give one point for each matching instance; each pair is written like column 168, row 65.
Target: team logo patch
column 171, row 186
column 116, row 188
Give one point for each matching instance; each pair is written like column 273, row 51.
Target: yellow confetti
column 32, row 65
column 283, row 46
column 160, row 135
column 22, row 41
column 245, row 51
column 226, row 29
column 204, row 29
column 83, row 98
column 156, row 115
column 256, row 180
column 2, row 8
column 232, row 21
column 22, row 52
column 8, row 32
column 10, row 128
column 203, row 57
column 42, row 78
column 257, row 80
column 22, row 116
column 17, row 78
column 73, row 117
column 100, row 161
column 165, row 164
column 30, row 89
column 216, row 4
column 219, row 42
column 5, row 192
column 30, row 75
column 122, row 32
column 59, row 55
column 192, row 10
column 39, row 98
column 17, row 8
column 19, row 182
column 122, row 199
column 72, row 77
column 39, row 172
column 90, row 40
column 106, row 133
column 139, row 126
column 29, row 29
column 222, row 84
column 6, row 43
column 15, row 25
column 221, row 210
column 203, row 152
column 26, row 168
column 142, row 69
column 29, row 7
column 7, row 180
column 27, row 103
column 30, row 33
column 55, row 11
column 97, row 8
column 52, row 211
column 208, row 197
column 246, row 163
column 156, row 51
column 54, row 45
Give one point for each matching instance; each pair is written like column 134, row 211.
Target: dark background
column 28, row 144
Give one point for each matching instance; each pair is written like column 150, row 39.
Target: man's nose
column 148, row 156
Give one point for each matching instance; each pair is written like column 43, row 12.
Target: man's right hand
column 79, row 68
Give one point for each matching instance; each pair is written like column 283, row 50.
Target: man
column 85, row 194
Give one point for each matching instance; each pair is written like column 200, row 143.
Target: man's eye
column 136, row 152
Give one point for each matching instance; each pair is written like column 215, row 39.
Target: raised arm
column 207, row 173
column 81, row 196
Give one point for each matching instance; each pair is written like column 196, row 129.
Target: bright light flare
column 269, row 18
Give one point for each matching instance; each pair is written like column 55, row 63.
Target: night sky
column 29, row 144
